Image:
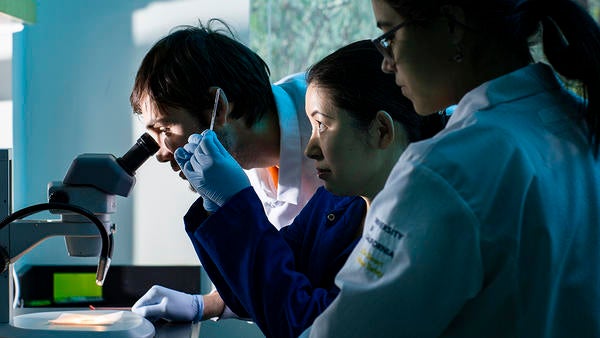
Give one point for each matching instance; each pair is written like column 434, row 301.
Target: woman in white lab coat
column 492, row 227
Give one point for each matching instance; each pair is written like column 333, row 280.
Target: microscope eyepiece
column 144, row 147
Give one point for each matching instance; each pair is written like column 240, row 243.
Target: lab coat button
column 331, row 217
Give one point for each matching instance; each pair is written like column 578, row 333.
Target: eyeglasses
column 384, row 42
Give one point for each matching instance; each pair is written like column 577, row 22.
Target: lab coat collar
column 290, row 148
column 523, row 82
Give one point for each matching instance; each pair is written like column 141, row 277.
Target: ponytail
column 571, row 41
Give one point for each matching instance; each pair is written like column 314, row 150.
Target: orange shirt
column 274, row 172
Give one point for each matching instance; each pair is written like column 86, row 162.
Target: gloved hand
column 184, row 156
column 160, row 302
column 210, row 169
column 209, row 205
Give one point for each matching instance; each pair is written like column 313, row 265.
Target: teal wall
column 70, row 91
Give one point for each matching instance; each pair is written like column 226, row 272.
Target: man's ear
column 383, row 128
column 224, row 107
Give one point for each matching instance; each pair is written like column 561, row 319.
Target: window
column 291, row 35
column 6, row 34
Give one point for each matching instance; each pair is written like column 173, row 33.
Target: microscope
column 83, row 201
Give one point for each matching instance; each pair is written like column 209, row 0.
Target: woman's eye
column 320, row 126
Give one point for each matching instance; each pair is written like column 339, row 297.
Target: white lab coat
column 490, row 229
column 298, row 180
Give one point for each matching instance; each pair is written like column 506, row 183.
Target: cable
column 106, row 243
column 17, row 293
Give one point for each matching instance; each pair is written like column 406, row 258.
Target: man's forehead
column 150, row 112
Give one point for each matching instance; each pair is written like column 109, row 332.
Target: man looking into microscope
column 196, row 77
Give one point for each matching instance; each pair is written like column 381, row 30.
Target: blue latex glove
column 210, row 169
column 160, row 302
column 209, row 205
column 182, row 156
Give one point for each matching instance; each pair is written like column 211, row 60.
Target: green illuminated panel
column 76, row 287
column 22, row 10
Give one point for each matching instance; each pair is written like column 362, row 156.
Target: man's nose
column 164, row 154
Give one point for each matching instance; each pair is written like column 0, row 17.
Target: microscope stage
column 44, row 324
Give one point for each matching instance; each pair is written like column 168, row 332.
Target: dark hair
column 180, row 68
column 354, row 78
column 571, row 38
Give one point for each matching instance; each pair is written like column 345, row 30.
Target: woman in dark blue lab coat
column 283, row 279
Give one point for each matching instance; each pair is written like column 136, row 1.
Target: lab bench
column 49, row 288
column 229, row 328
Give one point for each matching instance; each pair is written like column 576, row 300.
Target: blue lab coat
column 281, row 279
